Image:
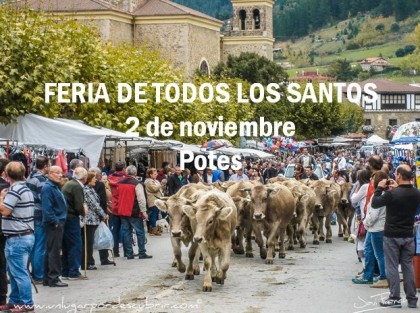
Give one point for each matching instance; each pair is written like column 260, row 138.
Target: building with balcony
column 397, row 104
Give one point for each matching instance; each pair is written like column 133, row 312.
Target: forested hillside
column 298, row 18
column 220, row 9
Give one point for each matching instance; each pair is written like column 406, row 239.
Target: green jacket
column 73, row 192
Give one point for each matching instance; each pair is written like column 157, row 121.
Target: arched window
column 242, row 19
column 204, row 67
column 257, row 19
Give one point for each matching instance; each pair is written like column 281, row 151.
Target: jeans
column 153, row 213
column 3, row 271
column 17, row 254
column 37, row 257
column 115, row 224
column 137, row 224
column 72, row 247
column 374, row 249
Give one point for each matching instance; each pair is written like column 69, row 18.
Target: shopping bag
column 103, row 239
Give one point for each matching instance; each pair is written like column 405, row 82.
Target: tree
column 413, row 61
column 341, row 69
column 252, row 68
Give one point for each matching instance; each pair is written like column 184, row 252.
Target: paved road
column 315, row 279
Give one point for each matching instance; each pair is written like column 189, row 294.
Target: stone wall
column 203, row 44
column 265, row 50
column 380, row 120
column 169, row 39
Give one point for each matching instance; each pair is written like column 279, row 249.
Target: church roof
column 168, row 8
column 67, row 5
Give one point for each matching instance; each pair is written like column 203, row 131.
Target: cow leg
column 176, row 247
column 259, row 240
column 193, row 255
column 340, row 220
column 290, row 235
column 343, row 222
column 321, row 228
column 328, row 227
column 302, row 231
column 271, row 236
column 238, row 242
column 248, row 248
column 282, row 253
column 224, row 260
column 315, row 226
column 207, row 285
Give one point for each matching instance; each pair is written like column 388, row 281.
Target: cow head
column 207, row 217
column 259, row 197
column 321, row 189
column 173, row 207
column 345, row 192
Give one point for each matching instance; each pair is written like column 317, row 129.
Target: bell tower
column 250, row 29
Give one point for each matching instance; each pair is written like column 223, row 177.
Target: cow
column 345, row 211
column 273, row 206
column 327, row 198
column 180, row 227
column 245, row 223
column 305, row 206
column 215, row 216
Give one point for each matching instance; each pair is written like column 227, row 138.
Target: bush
column 409, row 49
column 400, row 53
column 353, row 46
column 395, row 27
column 380, row 27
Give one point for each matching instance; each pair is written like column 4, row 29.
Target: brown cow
column 215, row 214
column 180, row 227
column 273, row 206
column 245, row 223
column 345, row 211
column 305, row 206
column 327, row 198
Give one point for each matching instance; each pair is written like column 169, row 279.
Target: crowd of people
column 50, row 217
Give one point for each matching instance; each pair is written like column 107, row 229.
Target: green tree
column 413, row 61
column 341, row 69
column 252, row 68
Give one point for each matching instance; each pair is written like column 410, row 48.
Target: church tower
column 250, row 29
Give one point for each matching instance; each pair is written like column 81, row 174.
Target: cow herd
column 214, row 219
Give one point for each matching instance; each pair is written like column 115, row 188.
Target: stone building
column 190, row 39
column 397, row 104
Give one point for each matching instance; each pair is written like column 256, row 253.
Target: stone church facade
column 190, row 39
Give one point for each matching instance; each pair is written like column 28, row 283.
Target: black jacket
column 401, row 205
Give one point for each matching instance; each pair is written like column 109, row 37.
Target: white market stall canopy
column 375, row 140
column 32, row 129
column 58, row 133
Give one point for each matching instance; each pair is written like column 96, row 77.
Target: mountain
column 298, row 18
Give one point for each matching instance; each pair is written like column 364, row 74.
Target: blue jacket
column 53, row 204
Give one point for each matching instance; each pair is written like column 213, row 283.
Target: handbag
column 361, row 231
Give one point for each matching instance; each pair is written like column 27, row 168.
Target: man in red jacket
column 132, row 210
column 115, row 218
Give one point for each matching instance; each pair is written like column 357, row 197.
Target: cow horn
column 162, row 198
column 245, row 189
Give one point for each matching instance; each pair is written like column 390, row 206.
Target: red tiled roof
column 384, row 85
column 168, row 8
